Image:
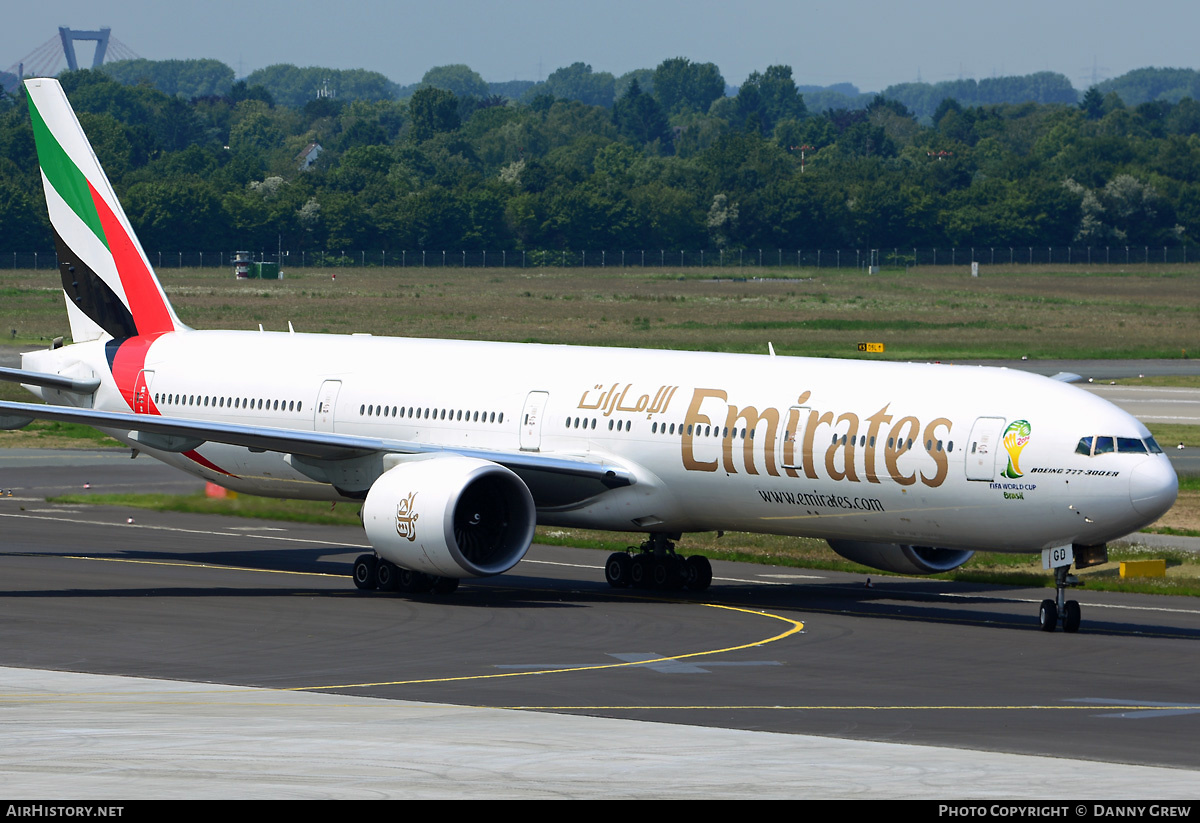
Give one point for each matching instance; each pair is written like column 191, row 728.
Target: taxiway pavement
column 242, row 652
column 197, row 656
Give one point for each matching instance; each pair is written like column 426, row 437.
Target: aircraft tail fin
column 108, row 281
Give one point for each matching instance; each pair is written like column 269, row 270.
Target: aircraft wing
column 553, row 480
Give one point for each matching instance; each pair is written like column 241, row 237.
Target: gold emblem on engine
column 406, row 518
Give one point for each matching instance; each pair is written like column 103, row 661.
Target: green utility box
column 266, row 271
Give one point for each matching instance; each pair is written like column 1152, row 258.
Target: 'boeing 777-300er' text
column 457, row 449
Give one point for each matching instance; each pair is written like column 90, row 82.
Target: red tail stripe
column 146, row 302
column 128, row 363
column 195, row 455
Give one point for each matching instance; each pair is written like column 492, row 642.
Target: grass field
column 925, row 314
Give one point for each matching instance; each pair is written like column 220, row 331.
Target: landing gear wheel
column 1060, row 608
column 445, row 585
column 1048, row 616
column 617, row 569
column 364, row 572
column 698, row 573
column 385, row 576
column 413, row 582
column 660, row 572
column 656, row 565
column 1071, row 616
column 639, row 571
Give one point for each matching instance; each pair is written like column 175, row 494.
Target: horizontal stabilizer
column 49, row 381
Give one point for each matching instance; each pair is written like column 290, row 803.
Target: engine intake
column 450, row 516
column 899, row 558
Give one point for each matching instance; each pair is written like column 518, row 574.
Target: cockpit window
column 1125, row 445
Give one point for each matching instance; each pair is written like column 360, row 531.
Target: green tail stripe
column 64, row 175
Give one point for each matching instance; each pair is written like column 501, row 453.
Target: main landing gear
column 1060, row 610
column 371, row 573
column 655, row 565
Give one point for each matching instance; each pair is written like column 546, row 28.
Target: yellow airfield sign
column 876, row 348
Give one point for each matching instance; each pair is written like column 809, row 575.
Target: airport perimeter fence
column 889, row 258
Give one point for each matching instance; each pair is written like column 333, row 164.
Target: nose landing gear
column 1060, row 610
column 1067, row 610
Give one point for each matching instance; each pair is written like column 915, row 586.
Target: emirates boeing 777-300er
column 457, row 448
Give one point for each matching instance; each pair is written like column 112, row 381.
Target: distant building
column 306, row 158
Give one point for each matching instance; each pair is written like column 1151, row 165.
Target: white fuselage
column 908, row 453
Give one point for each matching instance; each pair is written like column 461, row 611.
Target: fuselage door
column 791, row 439
column 141, row 392
column 325, row 406
column 531, row 420
column 982, row 448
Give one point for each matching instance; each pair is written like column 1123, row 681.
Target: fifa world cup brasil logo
column 1016, row 436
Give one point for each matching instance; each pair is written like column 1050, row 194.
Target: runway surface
column 232, row 602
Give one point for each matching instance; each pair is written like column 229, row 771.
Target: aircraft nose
column 1153, row 487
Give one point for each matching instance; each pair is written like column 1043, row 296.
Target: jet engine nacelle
column 901, row 559
column 450, row 516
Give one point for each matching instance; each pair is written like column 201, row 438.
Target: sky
column 870, row 44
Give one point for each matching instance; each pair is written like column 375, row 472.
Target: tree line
column 657, row 158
